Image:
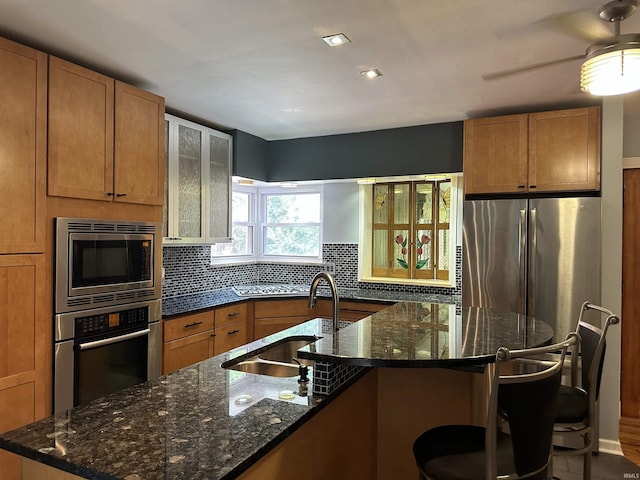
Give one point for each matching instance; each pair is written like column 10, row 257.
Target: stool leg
column 586, row 464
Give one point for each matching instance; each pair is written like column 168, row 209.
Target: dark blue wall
column 435, row 148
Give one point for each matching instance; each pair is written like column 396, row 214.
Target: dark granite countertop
column 208, row 422
column 428, row 335
column 200, row 422
column 181, row 304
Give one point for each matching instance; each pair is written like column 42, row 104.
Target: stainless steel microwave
column 104, row 262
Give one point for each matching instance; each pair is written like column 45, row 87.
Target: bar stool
column 577, row 407
column 525, row 389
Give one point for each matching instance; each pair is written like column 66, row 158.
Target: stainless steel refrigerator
column 540, row 257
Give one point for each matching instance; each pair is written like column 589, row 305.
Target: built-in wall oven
column 108, row 329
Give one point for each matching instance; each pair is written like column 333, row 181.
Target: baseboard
column 610, row 446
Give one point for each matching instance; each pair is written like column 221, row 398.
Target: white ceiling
column 260, row 65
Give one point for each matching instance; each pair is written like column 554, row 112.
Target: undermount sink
column 276, row 360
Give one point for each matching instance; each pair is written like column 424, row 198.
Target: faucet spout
column 334, row 295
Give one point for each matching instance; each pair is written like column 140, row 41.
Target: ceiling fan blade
column 528, row 68
column 584, row 25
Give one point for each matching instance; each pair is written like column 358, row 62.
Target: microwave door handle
column 109, row 341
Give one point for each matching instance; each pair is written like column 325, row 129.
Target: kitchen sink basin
column 275, row 360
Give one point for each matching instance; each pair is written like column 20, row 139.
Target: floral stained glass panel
column 444, row 205
column 423, row 250
column 381, row 205
column 401, row 249
column 443, row 250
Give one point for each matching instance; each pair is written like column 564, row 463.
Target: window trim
column 253, row 210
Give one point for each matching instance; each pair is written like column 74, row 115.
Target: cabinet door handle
column 121, row 194
column 520, row 186
column 192, row 324
column 233, row 331
column 532, row 186
column 109, row 194
column 233, row 314
column 213, row 334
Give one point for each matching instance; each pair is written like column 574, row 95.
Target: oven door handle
column 109, row 341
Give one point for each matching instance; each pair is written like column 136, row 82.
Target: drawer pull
column 213, row 334
column 233, row 314
column 194, row 324
column 233, row 331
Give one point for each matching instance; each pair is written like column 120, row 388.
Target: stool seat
column 457, row 452
column 573, row 404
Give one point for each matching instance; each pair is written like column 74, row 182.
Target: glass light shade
column 611, row 73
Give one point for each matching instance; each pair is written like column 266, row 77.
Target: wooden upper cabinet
column 495, row 154
column 80, row 132
column 23, row 104
column 538, row 152
column 139, row 146
column 106, row 138
column 564, row 150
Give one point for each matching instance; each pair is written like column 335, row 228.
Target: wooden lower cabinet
column 338, row 443
column 232, row 327
column 187, row 340
column 230, row 336
column 25, row 348
column 272, row 316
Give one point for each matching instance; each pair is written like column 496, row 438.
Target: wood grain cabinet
column 23, row 102
column 354, row 311
column 231, row 328
column 25, row 346
column 537, row 152
column 272, row 316
column 105, row 138
column 187, row 340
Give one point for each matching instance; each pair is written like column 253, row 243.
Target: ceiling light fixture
column 336, row 40
column 372, row 73
column 612, row 66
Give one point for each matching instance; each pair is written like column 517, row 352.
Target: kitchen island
column 207, row 422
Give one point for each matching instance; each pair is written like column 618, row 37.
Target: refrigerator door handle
column 533, row 248
column 522, row 261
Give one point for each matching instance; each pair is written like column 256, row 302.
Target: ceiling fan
column 611, row 62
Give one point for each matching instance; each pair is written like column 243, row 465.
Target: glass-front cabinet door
column 199, row 184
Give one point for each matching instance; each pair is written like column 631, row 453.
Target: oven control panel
column 110, row 321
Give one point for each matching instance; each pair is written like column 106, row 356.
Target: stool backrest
column 592, row 350
column 525, row 390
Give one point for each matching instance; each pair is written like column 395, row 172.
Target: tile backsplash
column 188, row 270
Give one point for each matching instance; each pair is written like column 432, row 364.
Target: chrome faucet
column 334, row 295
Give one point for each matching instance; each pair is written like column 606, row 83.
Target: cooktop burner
column 271, row 290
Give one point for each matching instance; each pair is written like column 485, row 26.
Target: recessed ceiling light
column 372, row 73
column 335, row 40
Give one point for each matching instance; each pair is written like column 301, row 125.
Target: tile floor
column 604, row 467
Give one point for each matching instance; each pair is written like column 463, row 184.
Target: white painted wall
column 340, row 212
column 611, row 185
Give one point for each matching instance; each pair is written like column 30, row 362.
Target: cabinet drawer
column 188, row 325
column 284, row 308
column 267, row 326
column 230, row 314
column 187, row 351
column 230, row 336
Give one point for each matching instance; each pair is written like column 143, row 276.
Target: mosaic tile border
column 188, row 270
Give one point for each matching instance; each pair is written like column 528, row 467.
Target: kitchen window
column 291, row 223
column 408, row 231
column 273, row 224
column 242, row 227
